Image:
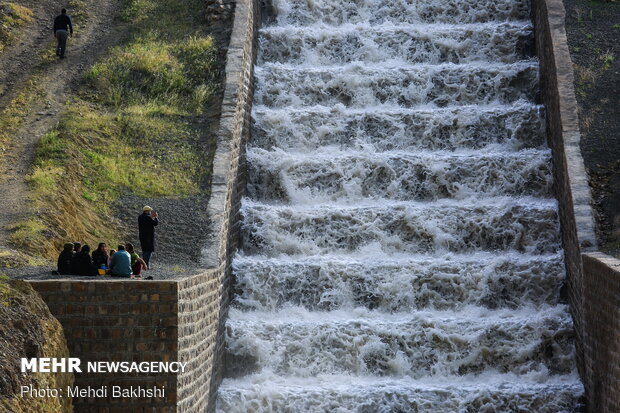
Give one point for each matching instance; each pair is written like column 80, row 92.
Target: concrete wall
column 592, row 277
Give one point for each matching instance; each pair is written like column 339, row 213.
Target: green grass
column 77, row 10
column 177, row 76
column 12, row 17
column 12, row 117
column 608, row 60
column 132, row 130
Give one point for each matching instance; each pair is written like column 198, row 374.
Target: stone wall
column 592, row 278
column 113, row 320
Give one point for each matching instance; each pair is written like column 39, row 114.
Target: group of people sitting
column 76, row 259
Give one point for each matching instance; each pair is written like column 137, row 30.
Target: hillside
column 127, row 119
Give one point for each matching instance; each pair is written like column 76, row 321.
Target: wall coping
column 223, row 170
column 607, row 260
column 571, row 136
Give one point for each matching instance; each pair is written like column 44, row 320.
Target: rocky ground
column 593, row 29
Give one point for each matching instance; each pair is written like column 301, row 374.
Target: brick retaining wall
column 601, row 338
column 112, row 320
column 207, row 296
column 592, row 277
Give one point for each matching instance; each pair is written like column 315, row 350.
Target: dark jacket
column 146, row 227
column 100, row 258
column 82, row 264
column 64, row 262
column 63, row 22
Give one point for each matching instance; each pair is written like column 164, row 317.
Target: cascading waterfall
column 401, row 248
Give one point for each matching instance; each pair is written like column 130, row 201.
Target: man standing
column 147, row 222
column 62, row 29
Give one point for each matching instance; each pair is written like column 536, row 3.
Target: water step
column 398, row 284
column 492, row 393
column 361, row 85
column 336, row 12
column 509, row 127
column 340, row 394
column 303, row 343
column 348, row 176
column 497, row 224
column 505, row 42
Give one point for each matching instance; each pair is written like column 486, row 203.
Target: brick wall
column 592, row 277
column 199, row 323
column 601, row 339
column 117, row 321
column 204, row 299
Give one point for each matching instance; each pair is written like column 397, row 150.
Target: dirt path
column 57, row 81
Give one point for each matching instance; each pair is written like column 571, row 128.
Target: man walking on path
column 62, row 29
column 147, row 222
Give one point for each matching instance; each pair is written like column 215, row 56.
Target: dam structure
column 401, row 246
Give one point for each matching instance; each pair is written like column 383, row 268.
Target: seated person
column 112, row 251
column 137, row 263
column 121, row 263
column 83, row 263
column 100, row 255
column 64, row 259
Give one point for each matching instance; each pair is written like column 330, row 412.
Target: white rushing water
column 400, row 241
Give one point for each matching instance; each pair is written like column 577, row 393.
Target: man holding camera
column 147, row 222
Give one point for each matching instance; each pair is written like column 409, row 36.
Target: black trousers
column 61, row 36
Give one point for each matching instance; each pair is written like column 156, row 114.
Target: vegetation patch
column 12, row 16
column 12, row 117
column 134, row 129
column 593, row 37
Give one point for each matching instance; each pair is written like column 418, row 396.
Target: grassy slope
column 13, row 17
column 132, row 130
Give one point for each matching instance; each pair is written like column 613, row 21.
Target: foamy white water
column 400, row 239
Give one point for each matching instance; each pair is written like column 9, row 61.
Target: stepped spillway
column 400, row 241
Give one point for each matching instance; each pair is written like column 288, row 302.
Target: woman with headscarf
column 83, row 263
column 64, row 259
